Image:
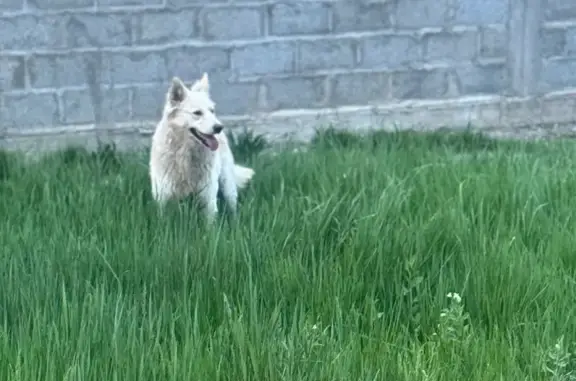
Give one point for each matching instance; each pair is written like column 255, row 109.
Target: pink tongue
column 211, row 142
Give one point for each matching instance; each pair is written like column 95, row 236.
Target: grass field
column 337, row 269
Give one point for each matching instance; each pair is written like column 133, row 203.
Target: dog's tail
column 242, row 175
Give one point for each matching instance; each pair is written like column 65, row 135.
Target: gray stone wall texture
column 93, row 68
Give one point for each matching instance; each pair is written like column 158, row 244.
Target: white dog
column 190, row 155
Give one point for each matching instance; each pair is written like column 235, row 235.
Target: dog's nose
column 218, row 128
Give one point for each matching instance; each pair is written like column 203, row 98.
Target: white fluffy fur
column 180, row 165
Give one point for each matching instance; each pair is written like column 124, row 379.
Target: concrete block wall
column 558, row 51
column 88, row 68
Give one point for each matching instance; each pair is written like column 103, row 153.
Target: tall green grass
column 337, row 268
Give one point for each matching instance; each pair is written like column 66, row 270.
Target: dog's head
column 192, row 108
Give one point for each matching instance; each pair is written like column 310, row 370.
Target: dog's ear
column 177, row 91
column 202, row 84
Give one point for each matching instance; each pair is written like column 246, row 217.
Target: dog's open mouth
column 208, row 140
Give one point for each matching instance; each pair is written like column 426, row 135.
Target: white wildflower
column 455, row 297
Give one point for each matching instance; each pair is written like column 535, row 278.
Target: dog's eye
column 198, row 113
column 212, row 110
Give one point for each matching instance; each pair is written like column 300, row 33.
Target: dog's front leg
column 161, row 195
column 210, row 206
column 209, row 199
column 229, row 188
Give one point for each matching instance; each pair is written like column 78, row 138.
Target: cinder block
column 11, row 5
column 67, row 69
column 416, row 14
column 482, row 79
column 30, row 110
column 189, row 63
column 181, row 4
column 102, row 105
column 264, row 58
column 450, row 46
column 553, row 42
column 106, row 4
column 148, row 101
column 232, row 23
column 350, row 16
column 570, row 49
column 560, row 10
column 134, row 67
column 360, row 88
column 166, row 26
column 99, row 30
column 27, row 32
column 419, row 84
column 480, row 12
column 12, row 73
column 493, row 42
column 390, row 52
column 326, row 54
column 60, row 4
column 559, row 74
column 234, row 98
column 293, row 18
column 296, row 92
